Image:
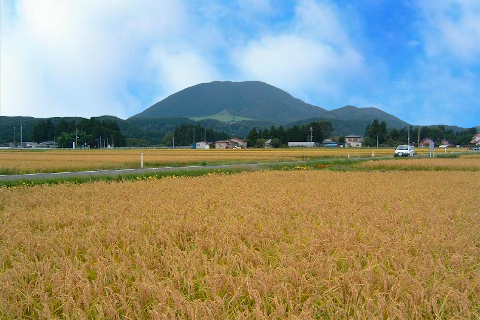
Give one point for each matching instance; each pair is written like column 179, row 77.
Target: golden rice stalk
column 283, row 245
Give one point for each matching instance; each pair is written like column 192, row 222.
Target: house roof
column 237, row 139
column 426, row 141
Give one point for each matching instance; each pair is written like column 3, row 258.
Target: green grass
column 223, row 116
column 326, row 164
column 9, row 171
column 119, row 177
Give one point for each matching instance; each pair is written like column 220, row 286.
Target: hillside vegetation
column 251, row 99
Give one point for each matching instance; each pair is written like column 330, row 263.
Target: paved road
column 73, row 174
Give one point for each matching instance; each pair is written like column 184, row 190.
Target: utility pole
column 311, row 134
column 173, row 141
column 377, row 140
column 21, row 135
column 76, row 136
column 14, row 142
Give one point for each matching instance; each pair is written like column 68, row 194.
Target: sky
column 418, row 60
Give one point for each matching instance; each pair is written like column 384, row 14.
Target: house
column 47, row 144
column 426, row 142
column 28, row 145
column 329, row 143
column 268, row 144
column 476, row 140
column 353, row 141
column 233, row 143
column 446, row 143
column 301, row 144
column 221, row 144
column 202, row 145
column 238, row 143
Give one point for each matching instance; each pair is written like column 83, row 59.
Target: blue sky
column 418, row 60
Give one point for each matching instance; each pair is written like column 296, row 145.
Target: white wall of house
column 202, row 145
column 295, row 144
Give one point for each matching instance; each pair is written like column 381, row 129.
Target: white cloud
column 313, row 55
column 178, row 70
column 80, row 57
column 452, row 28
column 293, row 63
column 322, row 21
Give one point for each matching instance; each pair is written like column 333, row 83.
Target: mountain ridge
column 254, row 100
column 271, row 107
column 250, row 99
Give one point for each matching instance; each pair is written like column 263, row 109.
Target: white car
column 404, row 150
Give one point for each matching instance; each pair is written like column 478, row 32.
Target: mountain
column 231, row 107
column 250, row 100
column 364, row 114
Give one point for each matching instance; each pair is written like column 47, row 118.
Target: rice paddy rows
column 24, row 161
column 263, row 245
column 430, row 164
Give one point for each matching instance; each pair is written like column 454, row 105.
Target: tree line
column 390, row 137
column 187, row 134
column 313, row 132
column 91, row 133
column 96, row 133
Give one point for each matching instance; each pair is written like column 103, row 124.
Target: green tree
column 282, row 135
column 44, row 130
column 252, row 137
column 375, row 131
column 65, row 140
column 276, row 143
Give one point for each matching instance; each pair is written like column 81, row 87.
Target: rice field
column 256, row 245
column 430, row 164
column 34, row 161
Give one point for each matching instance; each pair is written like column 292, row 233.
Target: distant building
column 476, row 139
column 301, row 144
column 233, row 143
column 268, row 144
column 426, row 142
column 202, row 145
column 28, row 145
column 329, row 143
column 47, row 144
column 447, row 143
column 221, row 144
column 238, row 143
column 353, row 141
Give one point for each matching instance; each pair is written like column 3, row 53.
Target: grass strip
column 327, row 164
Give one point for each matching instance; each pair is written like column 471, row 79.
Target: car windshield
column 402, row 148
